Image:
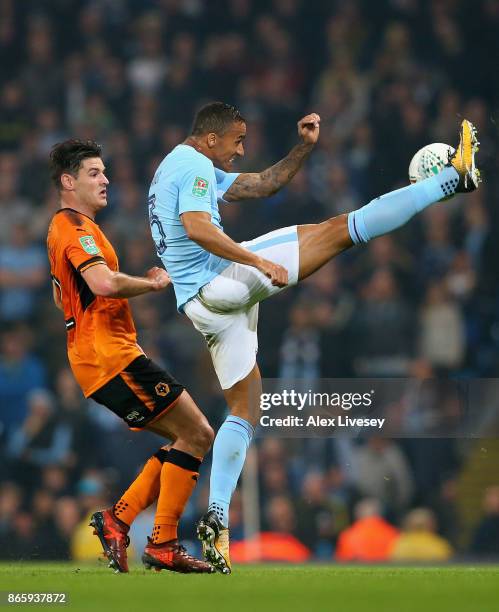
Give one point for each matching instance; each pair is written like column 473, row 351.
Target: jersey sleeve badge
column 200, row 187
column 89, row 246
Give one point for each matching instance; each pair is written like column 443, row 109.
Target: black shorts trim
column 140, row 393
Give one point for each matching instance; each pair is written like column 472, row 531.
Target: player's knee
column 203, row 437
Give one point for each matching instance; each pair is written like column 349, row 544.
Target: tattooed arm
column 268, row 182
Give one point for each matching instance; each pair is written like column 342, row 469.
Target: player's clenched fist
column 159, row 278
column 277, row 274
column 308, row 128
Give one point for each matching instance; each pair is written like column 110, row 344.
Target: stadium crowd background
column 386, row 78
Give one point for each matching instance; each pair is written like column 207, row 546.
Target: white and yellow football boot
column 214, row 538
column 463, row 159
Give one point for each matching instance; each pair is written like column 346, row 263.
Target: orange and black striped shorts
column 140, row 394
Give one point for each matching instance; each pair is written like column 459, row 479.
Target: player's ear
column 67, row 181
column 211, row 140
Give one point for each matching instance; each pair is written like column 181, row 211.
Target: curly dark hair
column 67, row 156
column 216, row 117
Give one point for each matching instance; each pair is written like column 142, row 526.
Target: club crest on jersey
column 200, row 187
column 162, row 389
column 88, row 244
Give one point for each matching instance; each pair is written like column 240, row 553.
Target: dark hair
column 216, row 117
column 67, row 156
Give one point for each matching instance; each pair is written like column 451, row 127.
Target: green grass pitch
column 307, row 588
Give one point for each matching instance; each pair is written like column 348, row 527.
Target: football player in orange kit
column 112, row 369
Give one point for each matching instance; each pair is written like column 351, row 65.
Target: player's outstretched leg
column 229, row 453
column 321, row 242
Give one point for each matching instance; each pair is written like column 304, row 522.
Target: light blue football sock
column 394, row 209
column 229, row 453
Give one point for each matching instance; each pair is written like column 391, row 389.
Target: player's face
column 91, row 183
column 229, row 146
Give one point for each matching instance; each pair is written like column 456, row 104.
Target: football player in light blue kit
column 219, row 283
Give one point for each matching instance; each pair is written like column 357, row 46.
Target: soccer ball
column 429, row 160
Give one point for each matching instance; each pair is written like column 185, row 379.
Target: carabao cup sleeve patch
column 200, row 187
column 88, row 244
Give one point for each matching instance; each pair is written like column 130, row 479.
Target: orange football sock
column 179, row 475
column 143, row 490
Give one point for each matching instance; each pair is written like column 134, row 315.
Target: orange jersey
column 102, row 340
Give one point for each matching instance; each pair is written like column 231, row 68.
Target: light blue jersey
column 186, row 180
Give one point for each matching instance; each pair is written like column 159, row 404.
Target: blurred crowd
column 386, row 78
